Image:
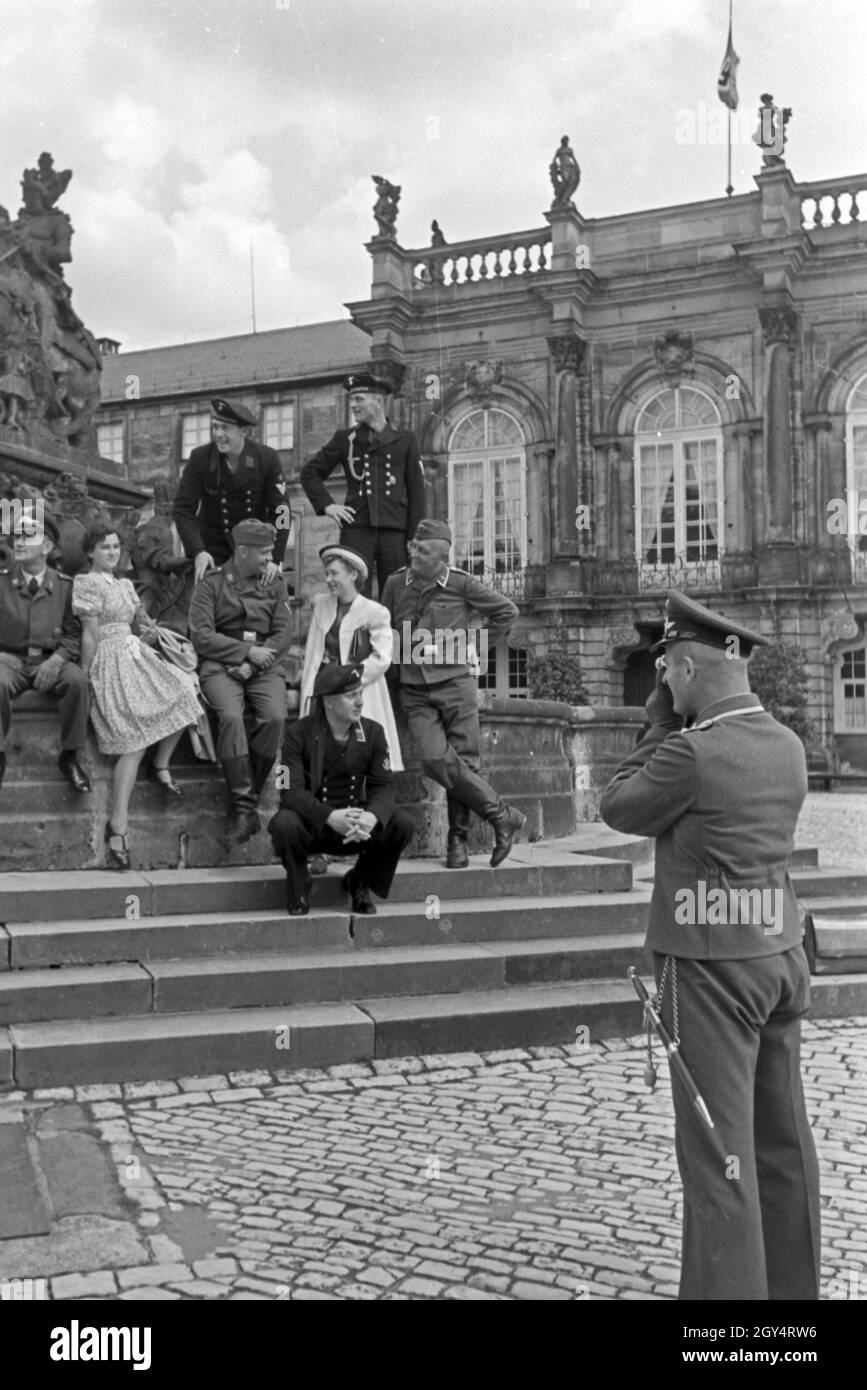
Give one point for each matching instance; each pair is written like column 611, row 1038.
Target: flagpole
column 730, row 186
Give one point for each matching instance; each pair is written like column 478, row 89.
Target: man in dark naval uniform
column 720, row 784
column 40, row 645
column 240, row 625
column 225, row 482
column 384, row 482
column 435, row 610
column 338, row 795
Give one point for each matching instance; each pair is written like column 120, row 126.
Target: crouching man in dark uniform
column 338, row 795
column 720, row 784
column 40, row 646
column 240, row 625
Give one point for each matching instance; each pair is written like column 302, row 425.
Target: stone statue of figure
column 770, row 135
column 436, row 236
column 41, row 187
column 565, row 174
column 385, row 207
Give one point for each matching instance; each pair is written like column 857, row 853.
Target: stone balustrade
column 487, row 258
column 830, row 202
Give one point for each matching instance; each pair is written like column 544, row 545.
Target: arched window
column 856, row 476
column 488, row 519
column 488, row 496
column 678, row 489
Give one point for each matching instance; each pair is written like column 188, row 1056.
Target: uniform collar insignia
column 444, row 578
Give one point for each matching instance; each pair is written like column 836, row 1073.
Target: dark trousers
column 16, row 676
column 444, row 723
column 294, row 839
column 383, row 549
column 265, row 694
column 751, row 1216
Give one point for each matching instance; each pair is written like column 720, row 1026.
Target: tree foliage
column 778, row 675
column 556, row 677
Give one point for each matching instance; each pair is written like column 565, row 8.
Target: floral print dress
column 138, row 698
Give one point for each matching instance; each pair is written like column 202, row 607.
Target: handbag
column 174, row 648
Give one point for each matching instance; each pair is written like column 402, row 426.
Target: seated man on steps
column 240, row 625
column 338, row 795
column 40, row 645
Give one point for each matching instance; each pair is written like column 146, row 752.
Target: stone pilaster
column 567, row 353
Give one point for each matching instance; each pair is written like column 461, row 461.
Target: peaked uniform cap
column 366, row 381
column 688, row 621
column 231, row 412
column 337, row 680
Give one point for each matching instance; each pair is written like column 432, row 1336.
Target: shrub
column 778, row 675
column 556, row 677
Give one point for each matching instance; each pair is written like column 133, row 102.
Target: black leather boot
column 243, row 820
column 261, row 772
column 459, row 828
column 508, row 824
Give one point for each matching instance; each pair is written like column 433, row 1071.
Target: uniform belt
column 29, row 651
column 243, row 634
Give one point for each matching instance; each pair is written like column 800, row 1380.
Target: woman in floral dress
column 139, row 700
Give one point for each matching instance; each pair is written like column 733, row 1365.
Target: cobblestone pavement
column 836, row 823
column 540, row 1174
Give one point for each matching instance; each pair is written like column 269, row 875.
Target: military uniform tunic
column 32, row 628
column 723, row 799
column 228, row 616
column 384, row 486
column 211, row 499
column 440, row 698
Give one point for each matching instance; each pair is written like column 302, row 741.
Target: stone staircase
column 121, row 977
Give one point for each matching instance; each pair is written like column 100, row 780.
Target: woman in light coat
column 352, row 630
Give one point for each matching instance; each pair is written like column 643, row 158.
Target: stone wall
column 548, row 759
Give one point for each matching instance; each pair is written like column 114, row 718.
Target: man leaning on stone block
column 40, row 645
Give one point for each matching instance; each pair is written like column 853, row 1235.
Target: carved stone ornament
column 567, row 351
column 481, row 378
column 622, row 639
column 779, row 324
column 838, row 626
column 674, row 355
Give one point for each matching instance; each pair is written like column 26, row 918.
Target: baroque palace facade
column 607, row 408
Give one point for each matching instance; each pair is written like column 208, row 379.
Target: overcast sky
column 196, row 128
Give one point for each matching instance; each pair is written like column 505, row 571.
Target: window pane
column 110, row 440
column 470, row 433
column 859, row 460
column 657, row 503
column 278, row 426
column 506, row 490
column 502, row 429
column 195, row 430
column 695, row 409
column 518, row 688
column 468, row 515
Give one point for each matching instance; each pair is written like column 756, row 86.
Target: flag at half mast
column 727, row 82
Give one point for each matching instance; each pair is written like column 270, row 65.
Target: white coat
column 372, row 618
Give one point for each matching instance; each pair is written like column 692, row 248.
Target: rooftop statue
column 770, row 135
column 385, row 207
column 565, row 174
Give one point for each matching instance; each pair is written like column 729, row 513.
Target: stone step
column 203, row 936
column 836, row 881
column 271, row 979
column 164, row 1046
column 531, row 870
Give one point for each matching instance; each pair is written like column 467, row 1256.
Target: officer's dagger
column 652, row 1019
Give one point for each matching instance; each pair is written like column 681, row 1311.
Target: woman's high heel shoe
column 117, row 858
column 162, row 778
